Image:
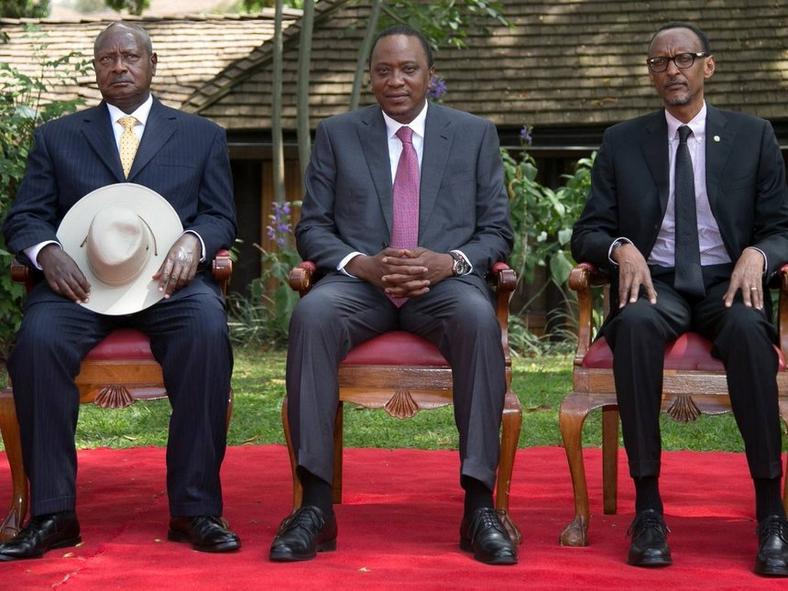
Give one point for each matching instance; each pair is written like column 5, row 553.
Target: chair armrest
column 503, row 280
column 301, row 276
column 21, row 273
column 581, row 278
column 222, row 269
column 782, row 314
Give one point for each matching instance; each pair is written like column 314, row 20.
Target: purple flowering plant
column 437, row 89
column 263, row 316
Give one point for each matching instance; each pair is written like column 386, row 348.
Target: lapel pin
column 716, row 138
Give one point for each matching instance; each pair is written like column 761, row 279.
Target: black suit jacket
column 182, row 157
column 745, row 180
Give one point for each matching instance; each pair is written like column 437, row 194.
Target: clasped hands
column 402, row 272
column 633, row 273
column 65, row 277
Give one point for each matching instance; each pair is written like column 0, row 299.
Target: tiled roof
column 562, row 62
column 191, row 49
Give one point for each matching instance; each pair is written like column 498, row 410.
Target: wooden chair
column 694, row 383
column 119, row 371
column 403, row 374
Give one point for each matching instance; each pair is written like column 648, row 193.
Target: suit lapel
column 158, row 130
column 438, row 134
column 374, row 141
column 719, row 143
column 655, row 150
column 97, row 129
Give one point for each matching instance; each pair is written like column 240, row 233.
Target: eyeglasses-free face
column 683, row 61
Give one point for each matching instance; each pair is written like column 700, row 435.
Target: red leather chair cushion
column 690, row 351
column 123, row 343
column 396, row 348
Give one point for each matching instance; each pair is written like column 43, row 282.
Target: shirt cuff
column 202, row 244
column 462, row 254
column 343, row 263
column 765, row 260
column 617, row 242
column 31, row 252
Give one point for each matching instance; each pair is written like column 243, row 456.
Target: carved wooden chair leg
column 298, row 492
column 9, row 426
column 510, row 436
column 336, row 486
column 574, row 410
column 610, row 458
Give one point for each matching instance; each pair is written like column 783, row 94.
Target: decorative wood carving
column 113, row 397
column 683, row 409
column 401, row 405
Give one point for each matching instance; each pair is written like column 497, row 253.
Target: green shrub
column 21, row 110
column 542, row 220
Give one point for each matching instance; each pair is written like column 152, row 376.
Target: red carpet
column 394, row 534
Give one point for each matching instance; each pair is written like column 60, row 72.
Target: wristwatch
column 460, row 266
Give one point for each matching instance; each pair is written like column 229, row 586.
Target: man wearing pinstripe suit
column 183, row 158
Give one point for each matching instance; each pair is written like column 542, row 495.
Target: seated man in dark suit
column 405, row 212
column 688, row 209
column 130, row 137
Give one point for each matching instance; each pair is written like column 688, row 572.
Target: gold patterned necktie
column 128, row 143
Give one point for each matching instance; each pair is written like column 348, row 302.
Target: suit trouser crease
column 188, row 337
column 742, row 339
column 341, row 312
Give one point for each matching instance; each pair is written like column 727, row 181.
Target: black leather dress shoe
column 483, row 534
column 303, row 534
column 649, row 540
column 204, row 533
column 772, row 557
column 42, row 533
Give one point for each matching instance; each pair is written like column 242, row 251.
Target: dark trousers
column 743, row 339
column 189, row 339
column 341, row 312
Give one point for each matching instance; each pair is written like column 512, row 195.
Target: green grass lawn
column 258, row 383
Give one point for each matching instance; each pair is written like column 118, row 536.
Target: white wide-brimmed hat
column 119, row 236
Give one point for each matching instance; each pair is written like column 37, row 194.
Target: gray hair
column 137, row 30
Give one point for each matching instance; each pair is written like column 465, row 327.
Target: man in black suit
column 184, row 159
column 405, row 212
column 688, row 209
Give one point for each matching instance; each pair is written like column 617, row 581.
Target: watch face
column 460, row 266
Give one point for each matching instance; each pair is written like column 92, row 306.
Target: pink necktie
column 405, row 196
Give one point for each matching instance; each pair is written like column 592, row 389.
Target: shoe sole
column 62, row 544
column 765, row 570
column 328, row 546
column 651, row 563
column 176, row 536
column 468, row 547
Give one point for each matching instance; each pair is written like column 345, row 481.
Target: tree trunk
column 302, row 91
column 278, row 158
column 363, row 53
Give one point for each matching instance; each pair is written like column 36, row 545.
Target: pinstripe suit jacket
column 182, row 157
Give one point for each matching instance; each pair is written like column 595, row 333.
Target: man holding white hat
column 122, row 208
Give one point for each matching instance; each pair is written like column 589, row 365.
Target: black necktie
column 689, row 278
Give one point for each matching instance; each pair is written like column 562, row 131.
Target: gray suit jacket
column 348, row 201
column 745, row 180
